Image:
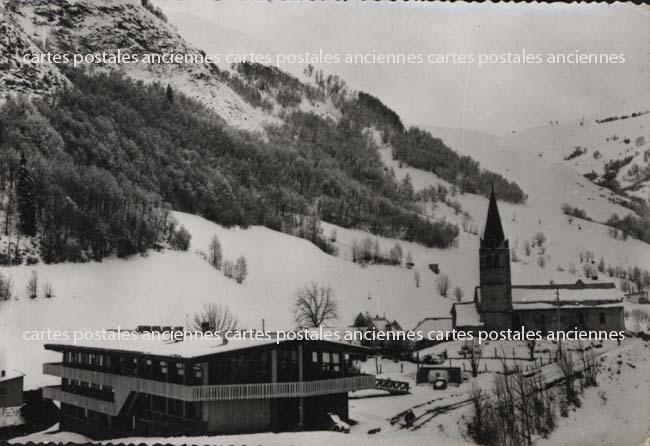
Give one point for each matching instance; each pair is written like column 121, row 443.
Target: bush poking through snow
column 48, row 291
column 539, row 239
column 228, row 269
column 180, row 239
column 32, row 286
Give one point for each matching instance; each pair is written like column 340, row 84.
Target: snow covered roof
column 550, row 305
column 467, row 315
column 10, row 374
column 190, row 347
column 546, row 294
column 383, row 324
column 434, row 324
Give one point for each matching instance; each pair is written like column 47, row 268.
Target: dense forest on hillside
column 77, row 213
column 111, row 155
column 419, row 149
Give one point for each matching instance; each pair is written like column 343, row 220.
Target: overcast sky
column 495, row 99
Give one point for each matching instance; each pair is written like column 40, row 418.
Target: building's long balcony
column 124, row 385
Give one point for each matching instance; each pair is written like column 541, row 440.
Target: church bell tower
column 495, row 282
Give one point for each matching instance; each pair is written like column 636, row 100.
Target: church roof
column 549, row 295
column 493, row 231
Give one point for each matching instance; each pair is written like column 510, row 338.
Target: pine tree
column 169, row 93
column 360, row 321
column 241, row 269
column 26, row 199
column 215, row 252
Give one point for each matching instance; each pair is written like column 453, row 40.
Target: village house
column 499, row 305
column 384, row 335
column 11, row 399
column 428, row 327
column 202, row 386
column 11, row 388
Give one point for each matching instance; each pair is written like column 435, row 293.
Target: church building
column 499, row 305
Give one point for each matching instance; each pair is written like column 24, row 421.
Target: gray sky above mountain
column 495, row 98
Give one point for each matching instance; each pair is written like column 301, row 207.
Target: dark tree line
column 419, row 149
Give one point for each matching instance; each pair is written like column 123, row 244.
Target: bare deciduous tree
column 215, row 254
column 458, row 294
column 474, row 352
column 217, row 318
column 6, row 287
column 567, row 366
column 640, row 318
column 240, row 270
column 443, row 284
column 315, row 305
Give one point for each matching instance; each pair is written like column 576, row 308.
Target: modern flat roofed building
column 139, row 387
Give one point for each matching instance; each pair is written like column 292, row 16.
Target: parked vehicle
column 339, row 425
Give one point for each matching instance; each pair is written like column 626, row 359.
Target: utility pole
column 559, row 339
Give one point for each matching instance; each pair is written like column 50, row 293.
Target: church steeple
column 493, row 233
column 495, row 301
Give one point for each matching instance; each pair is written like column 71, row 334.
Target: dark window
column 601, row 316
column 581, row 318
column 335, row 362
column 326, row 361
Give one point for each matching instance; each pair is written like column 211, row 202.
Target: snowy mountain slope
column 18, row 76
column 87, row 27
column 587, row 146
column 548, row 185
